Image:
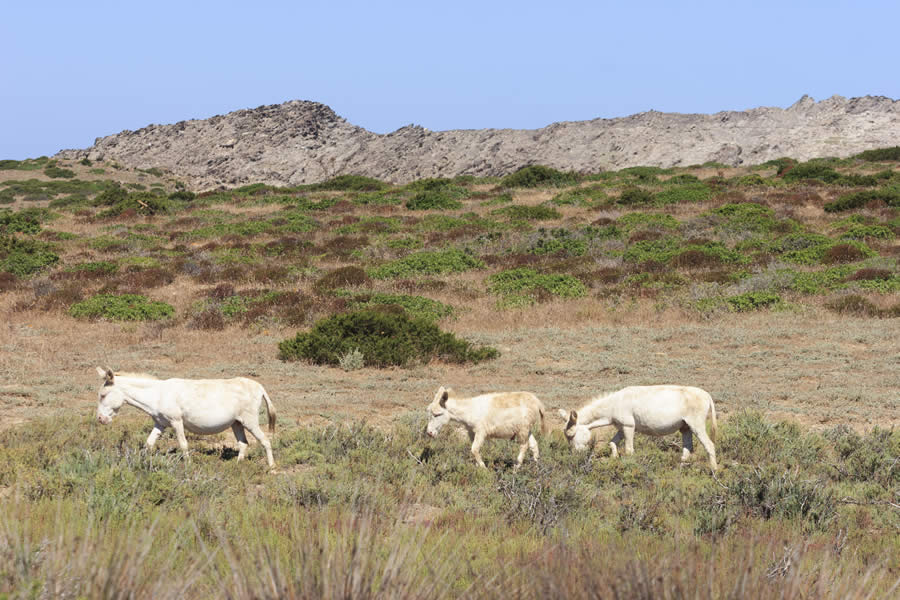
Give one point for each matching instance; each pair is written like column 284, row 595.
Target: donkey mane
column 131, row 375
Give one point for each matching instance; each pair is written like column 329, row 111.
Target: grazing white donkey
column 653, row 409
column 505, row 415
column 199, row 405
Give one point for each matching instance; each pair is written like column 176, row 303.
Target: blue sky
column 73, row 71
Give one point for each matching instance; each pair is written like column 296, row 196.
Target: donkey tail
column 545, row 426
column 715, row 427
column 270, row 410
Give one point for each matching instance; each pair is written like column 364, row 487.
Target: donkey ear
column 573, row 419
column 444, row 396
column 562, row 413
column 101, row 372
column 108, row 375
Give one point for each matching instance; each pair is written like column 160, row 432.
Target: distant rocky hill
column 306, row 142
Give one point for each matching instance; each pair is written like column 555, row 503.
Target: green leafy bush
column 427, row 263
column 745, row 216
column 579, row 197
column 23, row 257
column 539, row 176
column 753, row 301
column 682, row 194
column 433, row 200
column 634, row 195
column 812, row 170
column 384, row 339
column 559, row 240
column 58, row 173
column 417, row 306
column 352, row 183
column 27, row 220
column 525, row 281
column 528, row 213
column 880, row 154
column 124, row 307
column 889, row 196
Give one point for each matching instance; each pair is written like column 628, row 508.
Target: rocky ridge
column 306, row 142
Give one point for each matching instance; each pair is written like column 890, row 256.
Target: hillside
column 303, row 142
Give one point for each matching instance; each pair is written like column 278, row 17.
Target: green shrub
column 112, row 195
column 352, row 183
column 678, row 194
column 634, row 195
column 659, row 250
column 811, row 248
column 384, row 340
column 22, row 257
column 880, row 154
column 753, row 301
column 746, row 216
column 539, row 176
column 889, row 196
column 863, row 232
column 427, row 263
column 871, row 457
column 525, row 282
column 433, row 200
column 27, row 220
column 418, row 307
column 528, row 213
column 812, row 170
column 58, row 173
column 782, row 165
column 642, row 174
column 559, row 240
column 182, row 196
column 579, row 197
column 124, row 307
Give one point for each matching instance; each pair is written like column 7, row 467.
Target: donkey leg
column 614, row 451
column 178, row 426
column 687, row 443
column 476, row 448
column 700, row 432
column 532, row 443
column 628, row 432
column 241, row 437
column 522, row 438
column 257, row 432
column 154, row 435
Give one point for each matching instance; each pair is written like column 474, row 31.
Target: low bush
column 436, row 262
column 528, row 213
column 631, row 196
column 880, row 154
column 384, row 339
column 812, row 170
column 888, row 196
column 55, row 172
column 753, row 301
column 539, row 176
column 22, row 221
column 417, row 306
column 683, row 194
column 23, row 257
column 528, row 283
column 124, row 307
column 352, row 183
column 433, row 200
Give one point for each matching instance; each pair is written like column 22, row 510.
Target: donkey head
column 437, row 411
column 110, row 397
column 578, row 436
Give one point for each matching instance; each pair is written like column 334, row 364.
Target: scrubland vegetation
column 572, row 282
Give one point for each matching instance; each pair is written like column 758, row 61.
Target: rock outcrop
column 306, row 142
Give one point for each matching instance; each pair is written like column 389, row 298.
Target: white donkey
column 653, row 409
column 201, row 406
column 505, row 415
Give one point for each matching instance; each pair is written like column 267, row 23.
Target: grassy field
column 776, row 288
